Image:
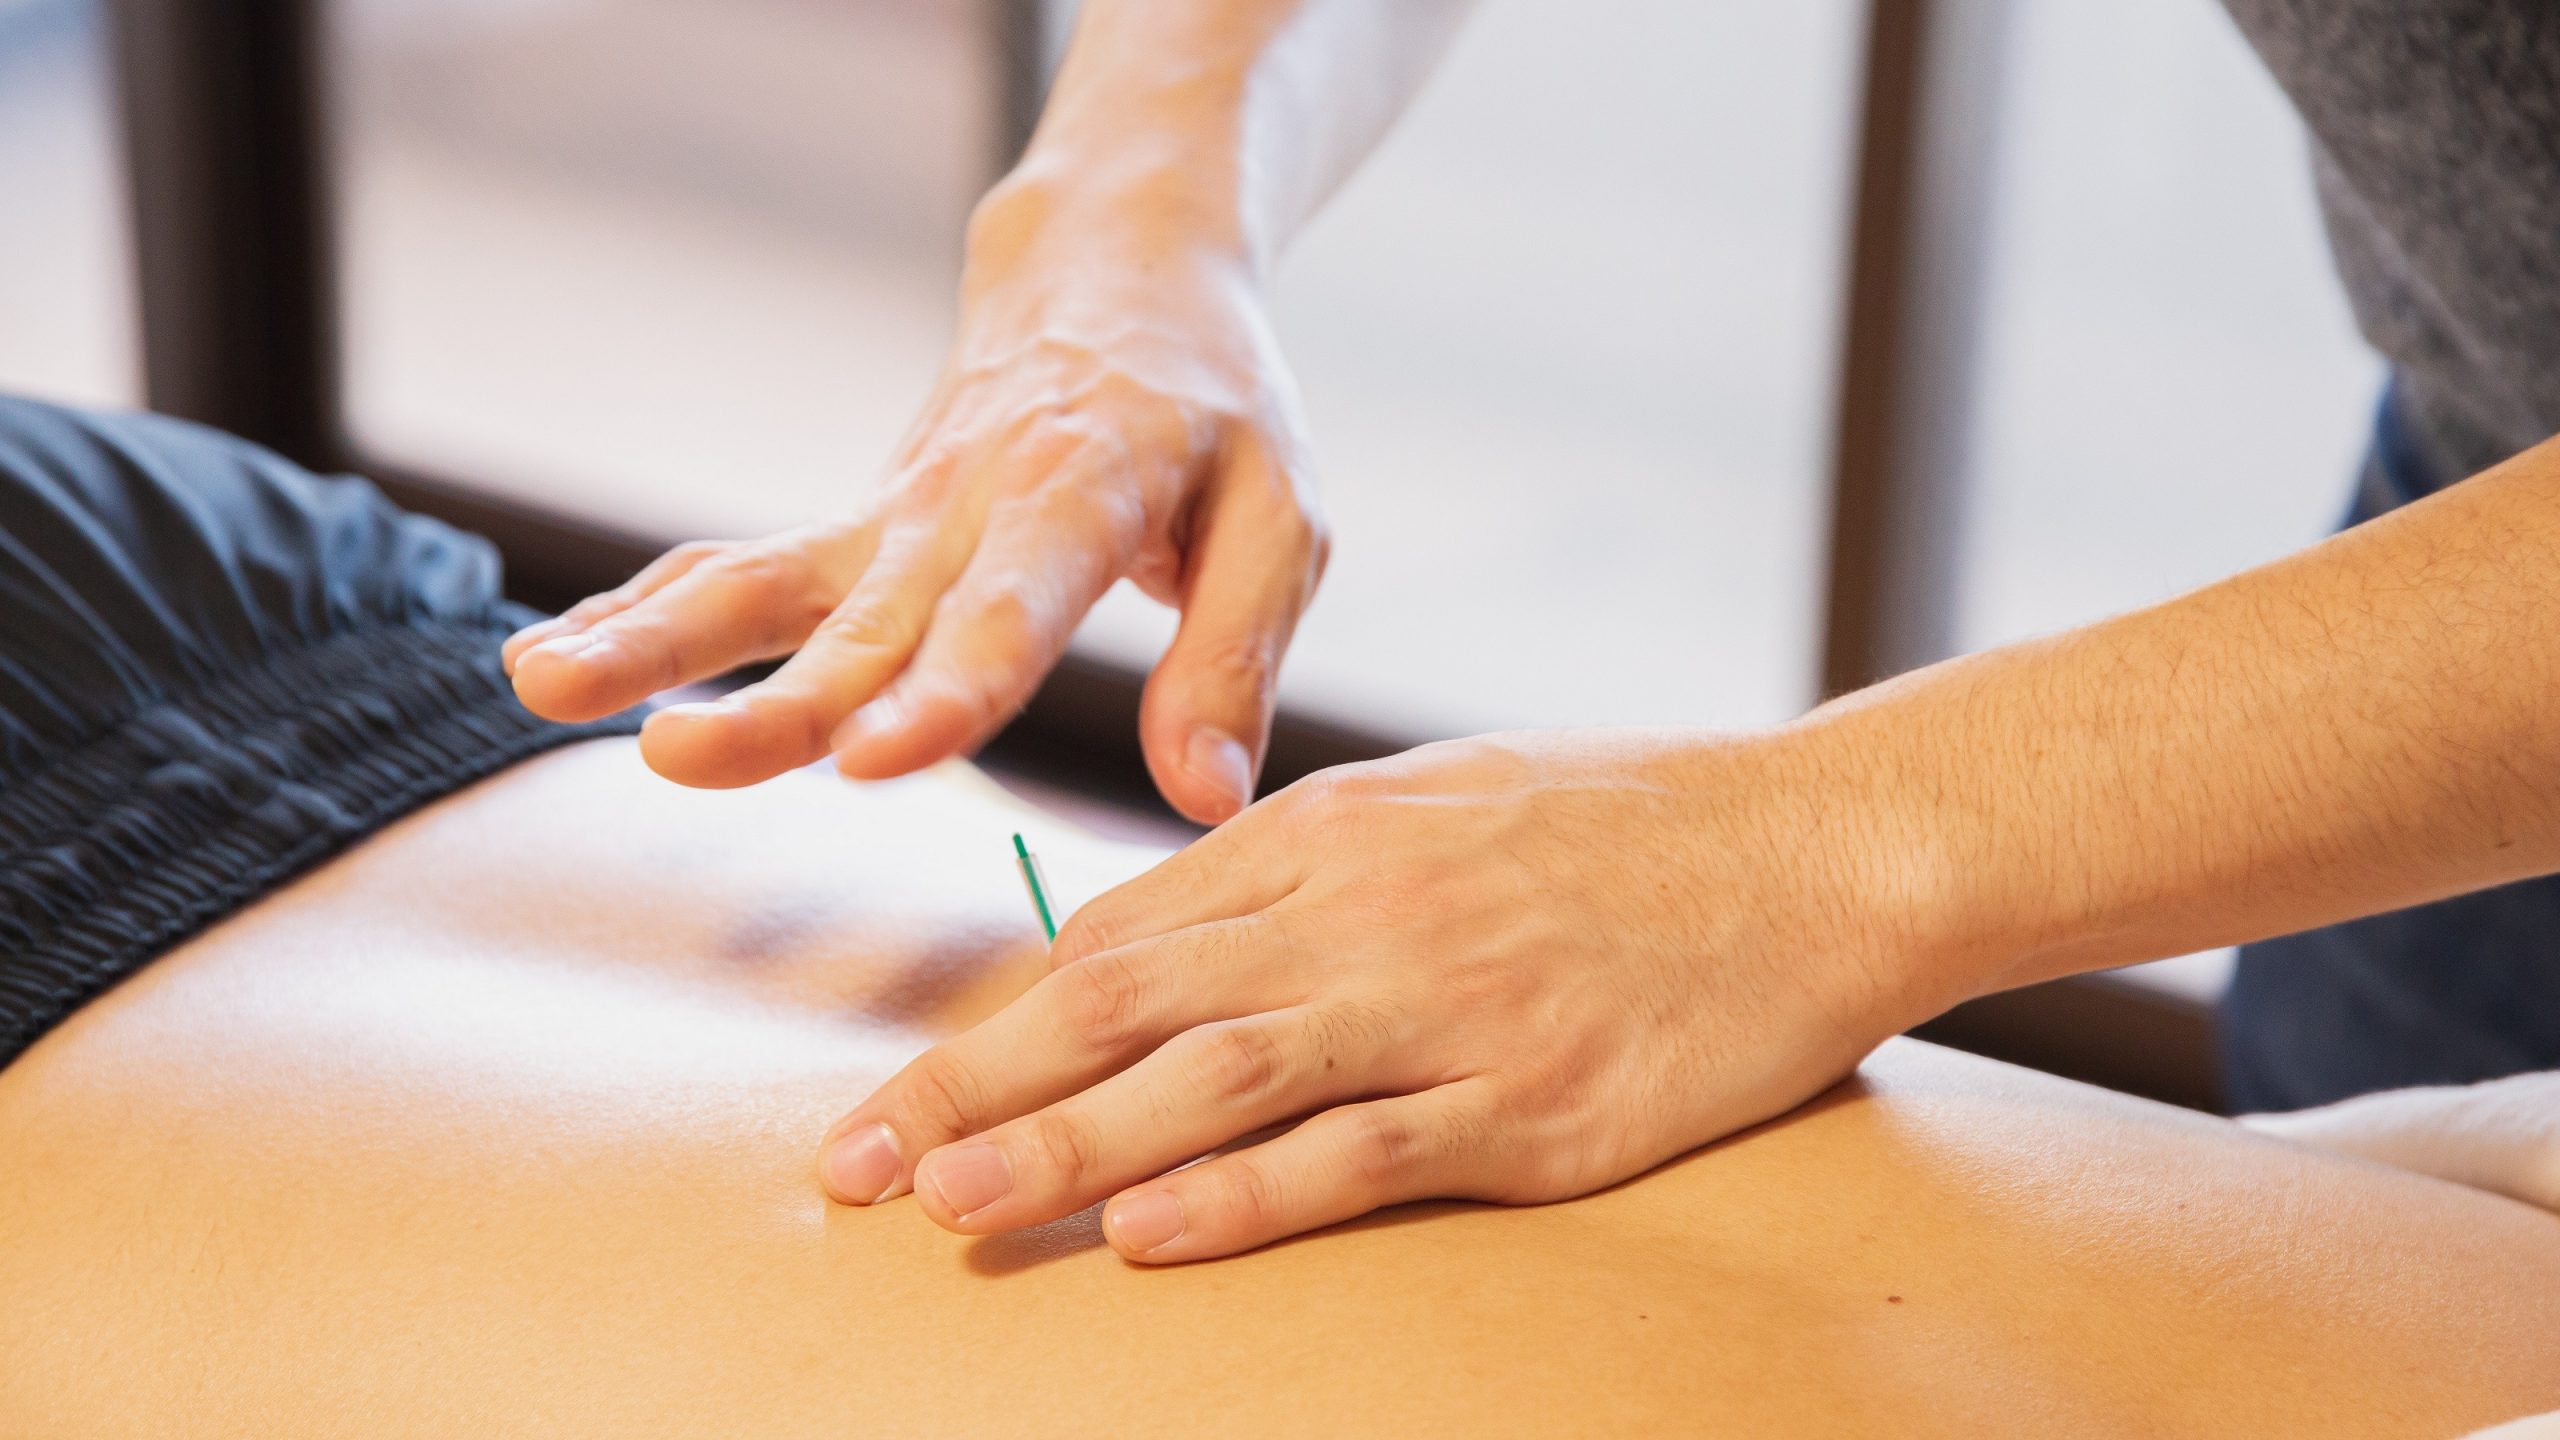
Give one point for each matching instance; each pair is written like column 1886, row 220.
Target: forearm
column 2371, row 723
column 1176, row 125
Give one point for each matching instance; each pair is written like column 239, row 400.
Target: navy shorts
column 216, row 671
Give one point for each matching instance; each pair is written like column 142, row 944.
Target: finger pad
column 553, row 690
column 710, row 751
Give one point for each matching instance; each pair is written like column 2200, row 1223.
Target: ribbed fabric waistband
column 193, row 807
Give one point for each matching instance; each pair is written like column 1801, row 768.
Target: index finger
column 1047, row 556
column 1071, row 1030
column 741, row 603
column 652, row 577
column 781, row 722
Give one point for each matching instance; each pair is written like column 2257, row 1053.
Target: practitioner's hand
column 1114, row 406
column 1511, row 969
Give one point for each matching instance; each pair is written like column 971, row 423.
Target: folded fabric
column 2501, row 1135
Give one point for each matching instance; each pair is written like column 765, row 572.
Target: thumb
column 1257, row 552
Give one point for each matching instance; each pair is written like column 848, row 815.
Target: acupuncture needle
column 1029, row 865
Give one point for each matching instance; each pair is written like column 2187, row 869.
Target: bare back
column 503, row 1125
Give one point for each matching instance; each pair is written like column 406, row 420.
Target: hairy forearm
column 1220, row 127
column 2371, row 723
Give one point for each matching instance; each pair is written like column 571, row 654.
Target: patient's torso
column 503, row 1125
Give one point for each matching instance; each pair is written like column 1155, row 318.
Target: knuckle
column 929, row 476
column 1387, row 894
column 1011, row 622
column 1483, row 984
column 1127, row 396
column 918, row 491
column 982, row 704
column 1106, row 1001
column 775, row 588
column 1238, row 1064
column 1378, row 1149
column 1553, row 1176
column 1552, row 1172
column 1238, row 663
column 1255, row 1199
column 1056, row 428
column 868, row 625
column 1532, row 1160
column 1117, row 517
column 648, row 646
column 941, row 1099
column 1086, row 933
column 1066, row 1147
column 759, row 573
column 1306, row 799
column 1011, row 607
column 1145, row 413
column 1334, row 822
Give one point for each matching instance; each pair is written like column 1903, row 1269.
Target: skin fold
column 499, row 1125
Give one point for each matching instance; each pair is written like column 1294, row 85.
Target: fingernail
column 1145, row 1222
column 859, row 1168
column 528, row 637
column 1220, row 760
column 967, row 1178
column 567, row 646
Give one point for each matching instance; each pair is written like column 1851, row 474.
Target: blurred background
column 1571, row 344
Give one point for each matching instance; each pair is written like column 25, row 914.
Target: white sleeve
column 2501, row 1136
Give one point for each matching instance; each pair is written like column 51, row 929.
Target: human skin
column 1519, row 968
column 497, row 1126
column 1114, row 406
column 2498, row 1135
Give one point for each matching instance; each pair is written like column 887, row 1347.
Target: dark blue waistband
column 216, row 670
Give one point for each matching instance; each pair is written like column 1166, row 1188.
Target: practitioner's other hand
column 1511, row 969
column 1114, row 406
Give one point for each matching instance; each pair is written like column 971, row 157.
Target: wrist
column 1068, row 210
column 1905, row 850
column 1793, row 843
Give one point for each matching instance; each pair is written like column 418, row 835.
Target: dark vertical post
column 220, row 103
column 1919, row 223
column 1022, row 46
